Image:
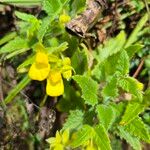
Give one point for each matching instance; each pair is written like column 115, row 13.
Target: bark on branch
column 85, row 21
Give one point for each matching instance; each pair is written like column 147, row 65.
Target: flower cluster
column 90, row 145
column 60, row 141
column 41, row 69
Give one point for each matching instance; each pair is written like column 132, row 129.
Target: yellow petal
column 39, row 71
column 67, row 67
column 140, row 85
column 59, row 147
column 66, row 61
column 58, row 137
column 65, row 137
column 41, row 58
column 55, row 86
column 55, row 76
column 67, row 74
column 64, row 18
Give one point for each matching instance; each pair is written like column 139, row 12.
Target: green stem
column 44, row 100
column 17, row 89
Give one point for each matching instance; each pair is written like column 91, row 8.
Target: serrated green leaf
column 33, row 23
column 89, row 89
column 119, row 111
column 15, row 44
column 98, row 134
column 83, row 136
column 79, row 61
column 119, row 61
column 137, row 128
column 131, row 50
column 110, row 90
column 101, row 138
column 123, row 63
column 74, row 120
column 24, row 82
column 106, row 115
column 116, row 143
column 111, row 47
column 50, row 7
column 133, row 37
column 132, row 86
column 133, row 141
column 99, row 72
column 112, row 61
column 133, row 109
column 44, row 27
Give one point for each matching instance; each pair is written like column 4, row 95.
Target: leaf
column 99, row 71
column 26, row 80
column 147, row 97
column 101, row 138
column 116, row 143
column 137, row 128
column 53, row 9
column 33, row 23
column 89, row 89
column 50, row 7
column 119, row 110
column 79, row 61
column 132, row 86
column 26, row 17
column 27, row 62
column 131, row 50
column 133, row 141
column 8, row 37
column 119, row 61
column 133, row 37
column 133, row 109
column 123, row 63
column 138, row 5
column 78, row 6
column 14, row 53
column 111, row 90
column 111, row 47
column 70, row 100
column 98, row 133
column 43, row 28
column 147, row 62
column 106, row 115
column 15, row 44
column 24, row 2
column 74, row 120
column 83, row 136
column 62, row 47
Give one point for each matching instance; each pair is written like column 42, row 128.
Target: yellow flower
column 40, row 68
column 67, row 73
column 55, row 86
column 64, row 18
column 60, row 141
column 90, row 145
